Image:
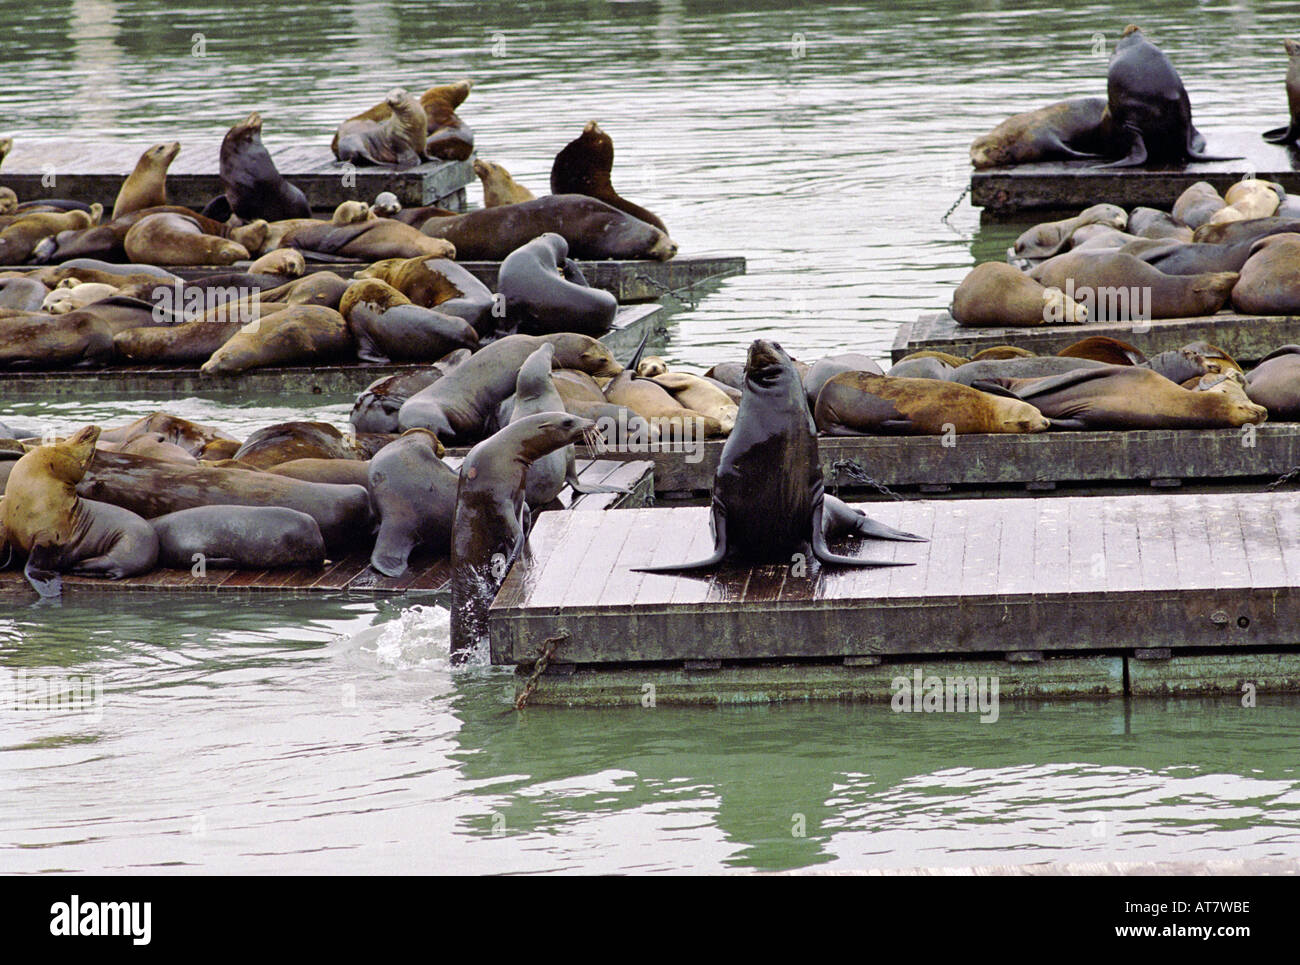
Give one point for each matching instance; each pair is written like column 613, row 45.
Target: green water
column 823, row 142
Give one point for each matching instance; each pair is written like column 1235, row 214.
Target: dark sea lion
column 297, row 335
column 492, row 519
column 370, row 240
column 1267, row 285
column 1118, row 287
column 1128, row 397
column 376, row 408
column 857, row 403
column 583, row 167
column 821, row 371
column 253, row 186
column 996, row 352
column 498, row 186
column 441, row 284
column 769, row 500
column 728, row 373
column 1053, row 237
column 388, row 328
column 1149, row 116
column 1103, row 348
column 416, row 217
column 36, row 340
column 1066, row 129
column 1153, row 223
column 1288, row 134
column 279, row 443
column 996, row 294
column 1190, row 258
column 174, row 239
column 1023, row 368
column 414, row 496
column 146, row 185
column 92, row 269
column 593, row 229
column 245, row 537
column 450, row 138
column 541, row 301
column 1275, row 383
column 396, row 138
column 24, row 294
column 43, row 517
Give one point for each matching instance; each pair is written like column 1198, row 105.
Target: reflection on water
column 823, row 142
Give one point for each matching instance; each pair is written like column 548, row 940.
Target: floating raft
column 1100, row 596
column 172, row 381
column 1247, row 338
column 95, row 171
column 352, row 574
column 1041, row 461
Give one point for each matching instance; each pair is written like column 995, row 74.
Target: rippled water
column 824, row 143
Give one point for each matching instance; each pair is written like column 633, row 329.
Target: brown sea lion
column 107, row 241
column 583, row 167
column 1118, row 287
column 1153, row 223
column 376, row 408
column 1234, row 232
column 1197, row 204
column 1275, row 383
column 994, row 293
column 394, row 136
column 450, row 138
column 1103, row 348
column 174, row 239
column 1053, row 237
column 19, row 240
column 859, row 403
column 1289, row 133
column 1066, row 129
column 999, row 352
column 286, row 262
column 824, row 369
column 387, row 327
column 1023, row 368
column 189, row 436
column 298, row 335
column 370, row 240
column 279, row 443
column 8, row 200
column 343, row 472
column 441, row 284
column 666, row 416
column 146, row 185
column 702, row 396
column 1267, row 285
column 498, row 186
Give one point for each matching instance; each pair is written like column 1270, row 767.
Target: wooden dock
column 95, row 171
column 337, row 379
column 1100, row 596
column 427, row 574
column 1247, row 338
column 1074, row 185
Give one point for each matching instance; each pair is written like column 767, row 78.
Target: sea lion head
column 1231, row 389
column 96, row 213
column 1130, row 30
column 395, row 96
column 352, row 212
column 285, row 262
column 1015, row 416
column 652, row 366
column 582, row 352
column 541, row 434
column 385, row 205
column 7, row 143
column 429, row 436
column 8, row 201
column 163, row 154
column 1058, row 305
column 767, row 365
column 379, row 295
column 68, row 461
column 1292, row 50
column 247, row 131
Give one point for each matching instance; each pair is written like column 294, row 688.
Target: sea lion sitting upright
column 1066, row 129
column 769, row 499
column 1288, row 134
column 146, row 186
column 253, row 186
column 395, row 136
column 545, row 292
column 498, row 186
column 450, row 138
column 583, row 167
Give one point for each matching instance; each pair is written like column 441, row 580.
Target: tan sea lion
column 173, row 239
column 190, row 436
column 1118, row 287
column 1103, row 348
column 344, row 472
column 146, row 185
column 650, row 366
column 860, row 403
column 394, row 135
column 287, row 262
column 700, row 395
column 660, row 409
column 387, row 327
column 441, row 284
column 1053, row 237
column 1196, row 205
column 1066, row 129
column 352, row 212
column 1153, row 223
column 1247, row 200
column 8, row 201
column 450, row 138
column 498, row 186
column 1000, row 352
column 994, row 293
column 370, row 240
column 68, row 298
column 285, row 441
column 298, row 335
column 19, row 240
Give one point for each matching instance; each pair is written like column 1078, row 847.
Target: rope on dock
column 547, row 651
column 851, row 467
column 960, row 198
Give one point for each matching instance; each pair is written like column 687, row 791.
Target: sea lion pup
column 43, row 517
column 1197, row 204
column 593, row 229
column 397, row 137
column 387, row 327
column 1118, row 287
column 247, row 538
column 275, row 444
column 1289, row 133
column 650, row 366
column 583, row 167
column 370, row 240
column 385, row 205
column 823, row 370
column 1127, row 397
column 1148, row 114
column 498, row 186
column 492, row 520
column 1275, row 383
column 1053, row 237
column 253, row 186
column 173, row 239
column 458, row 406
column 146, row 186
column 67, row 298
column 859, row 403
column 995, row 293
column 19, row 240
column 769, row 500
column 441, row 284
column 1066, row 129
column 23, row 294
column 414, row 495
column 376, row 408
column 450, row 138
column 700, row 395
column 299, row 334
column 1153, row 223
column 540, row 299
column 1267, row 285
column 1022, row 368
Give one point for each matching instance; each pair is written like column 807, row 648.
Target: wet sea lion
column 146, row 185
column 192, row 437
column 1234, row 232
column 298, row 335
column 769, row 499
column 858, row 403
column 1197, row 204
column 583, row 167
column 1288, row 134
column 397, row 137
column 540, row 300
column 498, row 186
column 593, row 229
column 385, row 205
column 824, row 369
column 173, row 239
column 994, row 293
column 1103, row 348
column 414, row 495
column 1053, row 237
column 376, row 408
column 1118, row 287
column 245, row 537
column 441, row 284
column 387, row 327
column 1184, row 258
column 492, row 519
column 370, row 240
column 279, row 443
column 253, row 186
column 1267, row 285
column 43, row 517
column 450, row 138
column 1275, row 383
column 1066, row 129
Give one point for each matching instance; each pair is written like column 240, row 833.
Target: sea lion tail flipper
column 1068, row 424
column 824, row 554
column 1279, row 135
column 840, row 518
column 1137, row 152
column 719, row 521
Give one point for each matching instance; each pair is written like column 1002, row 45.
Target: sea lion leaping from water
column 769, row 499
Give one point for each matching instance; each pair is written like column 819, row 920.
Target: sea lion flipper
column 45, row 580
column 719, row 520
column 1279, row 135
column 839, row 517
column 824, row 554
column 1029, row 388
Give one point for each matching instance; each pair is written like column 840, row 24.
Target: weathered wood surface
column 1073, row 185
column 1247, row 338
column 344, row 378
column 428, row 573
column 1008, row 577
column 95, row 171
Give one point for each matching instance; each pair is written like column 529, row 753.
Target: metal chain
column 685, row 294
column 543, row 661
column 1285, row 477
column 960, row 198
column 851, row 468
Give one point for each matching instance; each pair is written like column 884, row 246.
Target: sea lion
column 1127, row 397
column 1197, row 204
column 1022, row 368
column 275, row 444
column 583, row 167
column 1234, row 232
column 23, row 294
column 1249, row 199
column 498, row 186
column 1275, row 383
column 540, row 300
column 1089, row 236
column 343, row 472
column 1066, row 129
column 6, row 145
column 650, row 366
column 173, row 239
column 108, row 241
column 859, row 403
column 667, row 417
column 253, row 186
column 146, row 185
column 1191, row 258
column 299, row 334
column 914, row 369
column 37, row 340
column 8, row 200
column 68, row 298
column 1153, row 223
column 593, row 229
column 1288, row 134
column 1118, row 287
column 385, row 205
column 492, row 519
column 769, row 500
column 388, row 328
column 351, row 212
column 450, row 138
column 284, row 262
column 414, row 495
column 1267, row 285
column 994, row 293
column 191, row 437
column 824, row 369
column 244, row 537
column 1103, row 348
column 376, row 408
column 997, row 352
column 702, row 396
column 1053, row 237
column 19, row 240
column 397, row 137
column 441, row 284
column 43, row 517
column 369, row 240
